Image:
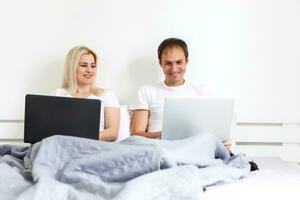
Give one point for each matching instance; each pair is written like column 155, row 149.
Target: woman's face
column 86, row 70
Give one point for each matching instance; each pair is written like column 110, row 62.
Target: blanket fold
column 136, row 168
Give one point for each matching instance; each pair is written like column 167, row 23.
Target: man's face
column 173, row 63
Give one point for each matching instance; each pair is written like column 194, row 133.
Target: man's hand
column 158, row 134
column 228, row 144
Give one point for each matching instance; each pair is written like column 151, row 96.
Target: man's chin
column 175, row 82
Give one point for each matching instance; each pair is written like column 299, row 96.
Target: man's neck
column 174, row 84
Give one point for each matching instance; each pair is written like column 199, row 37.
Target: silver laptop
column 186, row 116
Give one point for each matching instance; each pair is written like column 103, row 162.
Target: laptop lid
column 51, row 115
column 186, row 116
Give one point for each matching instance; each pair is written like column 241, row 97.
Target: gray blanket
column 62, row 167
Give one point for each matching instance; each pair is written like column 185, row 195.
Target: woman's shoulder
column 108, row 97
column 107, row 93
column 60, row 92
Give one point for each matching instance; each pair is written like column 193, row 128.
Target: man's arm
column 139, row 124
column 228, row 144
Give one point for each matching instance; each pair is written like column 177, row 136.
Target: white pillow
column 125, row 118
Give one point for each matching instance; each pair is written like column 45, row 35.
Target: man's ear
column 187, row 60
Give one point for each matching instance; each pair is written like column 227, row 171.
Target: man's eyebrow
column 180, row 60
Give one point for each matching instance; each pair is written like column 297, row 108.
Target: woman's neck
column 83, row 92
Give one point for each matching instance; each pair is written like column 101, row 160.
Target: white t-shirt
column 107, row 98
column 151, row 97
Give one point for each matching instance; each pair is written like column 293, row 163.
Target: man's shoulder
column 199, row 88
column 151, row 87
column 196, row 85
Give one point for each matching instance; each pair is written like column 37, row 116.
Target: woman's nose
column 89, row 69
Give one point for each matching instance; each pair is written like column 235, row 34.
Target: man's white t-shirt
column 151, row 97
column 107, row 98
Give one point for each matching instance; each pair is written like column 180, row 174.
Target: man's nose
column 174, row 67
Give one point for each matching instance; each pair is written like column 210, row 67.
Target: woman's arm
column 112, row 121
column 139, row 124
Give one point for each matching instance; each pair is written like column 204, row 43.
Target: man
column 148, row 107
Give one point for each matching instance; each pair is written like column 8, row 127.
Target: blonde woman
column 80, row 72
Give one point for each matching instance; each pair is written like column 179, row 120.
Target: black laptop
column 51, row 115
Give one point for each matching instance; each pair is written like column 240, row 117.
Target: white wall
column 248, row 49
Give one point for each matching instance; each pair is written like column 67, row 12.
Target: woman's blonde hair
column 71, row 64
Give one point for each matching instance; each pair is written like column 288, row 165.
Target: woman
column 79, row 78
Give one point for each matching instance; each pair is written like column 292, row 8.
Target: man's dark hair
column 170, row 43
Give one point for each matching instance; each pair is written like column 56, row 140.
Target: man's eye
column 93, row 66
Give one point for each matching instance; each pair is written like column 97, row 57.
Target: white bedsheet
column 276, row 179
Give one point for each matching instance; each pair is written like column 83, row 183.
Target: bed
column 63, row 167
column 276, row 179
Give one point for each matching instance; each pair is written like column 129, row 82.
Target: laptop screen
column 50, row 115
column 187, row 116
